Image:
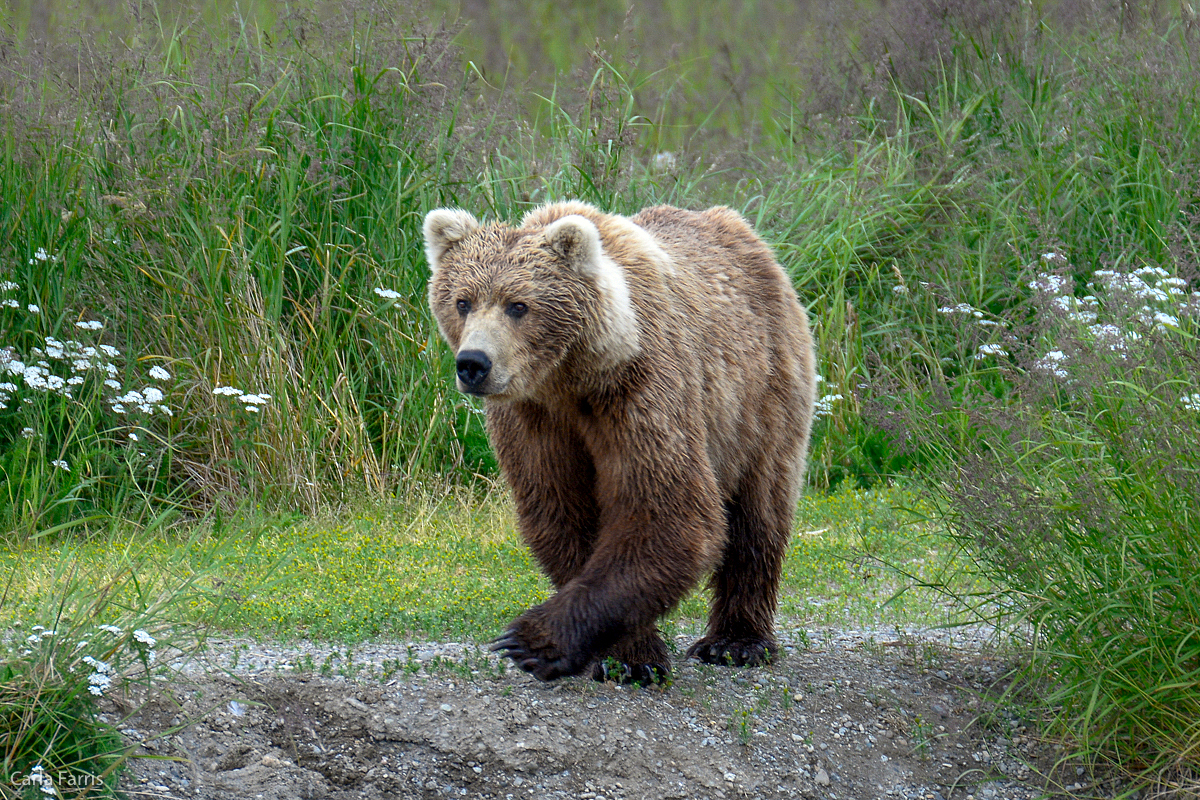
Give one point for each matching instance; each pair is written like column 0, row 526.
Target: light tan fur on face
column 486, row 331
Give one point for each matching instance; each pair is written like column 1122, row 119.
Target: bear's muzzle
column 473, row 367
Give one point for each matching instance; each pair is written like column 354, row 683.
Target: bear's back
column 742, row 324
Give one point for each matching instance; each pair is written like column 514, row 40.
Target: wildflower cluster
column 109, row 638
column 250, row 402
column 66, row 394
column 44, row 369
column 40, row 778
column 1121, row 311
column 824, row 406
column 57, row 675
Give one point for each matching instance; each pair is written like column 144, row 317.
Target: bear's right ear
column 443, row 228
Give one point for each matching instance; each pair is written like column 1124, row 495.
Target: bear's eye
column 517, row 310
column 464, row 306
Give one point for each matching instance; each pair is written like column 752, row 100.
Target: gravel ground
column 844, row 714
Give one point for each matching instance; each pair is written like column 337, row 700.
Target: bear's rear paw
column 529, row 643
column 729, row 651
column 611, row 669
column 640, row 658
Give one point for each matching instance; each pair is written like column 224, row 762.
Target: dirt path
column 846, row 716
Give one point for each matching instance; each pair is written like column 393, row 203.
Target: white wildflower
column 114, row 385
column 133, row 437
column 824, row 406
column 961, row 308
column 39, row 777
column 27, row 433
column 386, row 294
column 1163, row 320
column 152, row 394
column 33, row 309
column 9, row 286
column 1051, row 364
column 61, row 465
column 98, row 665
column 90, row 325
column 42, row 255
column 159, row 374
column 116, row 630
column 226, row 390
column 986, row 350
column 98, row 682
column 35, row 377
column 10, row 303
column 254, row 399
column 145, row 638
column 1048, row 283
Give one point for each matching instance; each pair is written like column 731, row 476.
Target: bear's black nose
column 473, row 368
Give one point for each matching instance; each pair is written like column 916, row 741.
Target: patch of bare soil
column 847, row 716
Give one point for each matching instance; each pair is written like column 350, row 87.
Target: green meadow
column 224, row 405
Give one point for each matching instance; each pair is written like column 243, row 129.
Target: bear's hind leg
column 745, row 587
column 639, row 658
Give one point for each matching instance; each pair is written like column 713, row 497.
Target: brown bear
column 649, row 386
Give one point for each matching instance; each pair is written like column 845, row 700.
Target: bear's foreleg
column 642, row 566
column 552, row 483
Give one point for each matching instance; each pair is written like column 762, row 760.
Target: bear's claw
column 731, row 652
column 545, row 663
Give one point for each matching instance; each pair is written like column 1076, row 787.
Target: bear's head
column 516, row 304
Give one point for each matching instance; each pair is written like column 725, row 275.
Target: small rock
column 822, row 778
column 730, row 777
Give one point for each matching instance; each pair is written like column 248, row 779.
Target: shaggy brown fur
column 649, row 387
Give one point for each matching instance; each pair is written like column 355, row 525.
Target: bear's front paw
column 750, row 651
column 532, row 647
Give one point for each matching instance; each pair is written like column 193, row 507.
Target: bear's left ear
column 443, row 228
column 577, row 241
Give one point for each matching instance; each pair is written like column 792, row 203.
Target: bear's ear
column 443, row 228
column 577, row 241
